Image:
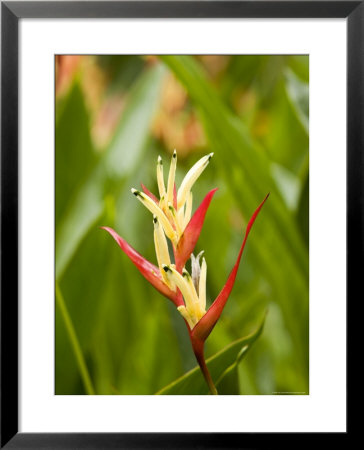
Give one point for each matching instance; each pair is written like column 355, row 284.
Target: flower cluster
column 173, row 220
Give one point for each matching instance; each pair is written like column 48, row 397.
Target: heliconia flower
column 169, row 225
column 174, row 209
column 173, row 219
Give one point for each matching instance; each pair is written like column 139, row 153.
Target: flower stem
column 198, row 348
column 208, row 378
column 74, row 342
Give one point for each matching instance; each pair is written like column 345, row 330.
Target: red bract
column 149, row 194
column 189, row 238
column 149, row 271
column 205, row 325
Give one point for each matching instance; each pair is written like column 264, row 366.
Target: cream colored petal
column 160, row 178
column 202, row 285
column 161, row 244
column 195, row 269
column 188, row 211
column 198, row 310
column 162, row 202
column 171, row 178
column 181, row 215
column 191, row 287
column 155, row 209
column 190, row 179
column 161, row 250
column 183, row 311
column 175, row 219
column 183, row 286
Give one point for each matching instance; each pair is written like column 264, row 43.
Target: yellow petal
column 198, row 310
column 182, row 285
column 171, row 178
column 175, row 219
column 183, row 311
column 188, row 210
column 161, row 250
column 155, row 209
column 190, row 179
column 202, row 285
column 160, row 178
column 191, row 287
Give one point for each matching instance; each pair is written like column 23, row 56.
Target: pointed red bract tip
column 149, row 271
column 206, row 324
column 149, row 194
column 190, row 236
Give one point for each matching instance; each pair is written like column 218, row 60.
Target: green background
column 114, row 116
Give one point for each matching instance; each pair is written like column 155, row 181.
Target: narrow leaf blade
column 193, row 383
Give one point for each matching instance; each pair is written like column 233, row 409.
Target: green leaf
column 297, row 92
column 283, row 134
column 228, row 383
column 86, row 205
column 302, row 216
column 193, row 383
column 300, row 66
column 288, row 184
column 74, row 342
column 75, row 155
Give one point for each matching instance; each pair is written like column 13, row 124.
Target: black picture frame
column 11, row 12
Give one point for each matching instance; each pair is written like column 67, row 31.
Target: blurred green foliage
column 252, row 112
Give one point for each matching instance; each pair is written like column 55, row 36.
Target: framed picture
column 221, row 281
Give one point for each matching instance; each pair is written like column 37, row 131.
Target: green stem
column 74, row 342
